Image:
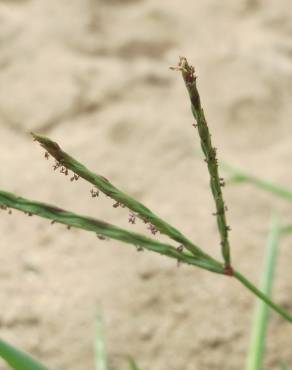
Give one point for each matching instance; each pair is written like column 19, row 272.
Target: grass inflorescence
column 184, row 251
column 210, row 153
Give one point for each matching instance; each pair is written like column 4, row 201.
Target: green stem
column 109, row 189
column 103, row 228
column 243, row 280
column 209, row 151
column 17, row 359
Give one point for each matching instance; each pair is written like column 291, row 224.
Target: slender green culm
column 101, row 183
column 17, row 359
column 216, row 183
column 99, row 346
column 239, row 176
column 244, row 281
column 260, row 320
column 103, row 229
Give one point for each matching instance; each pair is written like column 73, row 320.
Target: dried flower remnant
column 152, row 229
column 64, row 170
column 132, row 218
column 101, row 237
column 74, row 177
column 94, row 193
column 5, row 208
column 221, row 182
column 180, row 249
column 56, row 165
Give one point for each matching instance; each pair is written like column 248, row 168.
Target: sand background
column 93, row 75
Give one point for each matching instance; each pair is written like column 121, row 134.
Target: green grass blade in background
column 17, row 359
column 286, row 229
column 260, row 319
column 132, row 364
column 99, row 345
column 239, row 176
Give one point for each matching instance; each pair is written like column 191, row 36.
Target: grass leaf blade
column 99, row 345
column 260, row 319
column 17, row 359
column 239, row 176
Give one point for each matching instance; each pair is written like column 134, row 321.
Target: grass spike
column 209, row 151
column 104, row 229
column 109, row 189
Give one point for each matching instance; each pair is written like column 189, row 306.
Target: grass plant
column 179, row 247
column 17, row 359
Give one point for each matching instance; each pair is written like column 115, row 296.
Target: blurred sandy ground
column 93, row 75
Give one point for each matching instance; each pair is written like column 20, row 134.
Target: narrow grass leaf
column 260, row 319
column 17, row 359
column 99, row 345
column 239, row 176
